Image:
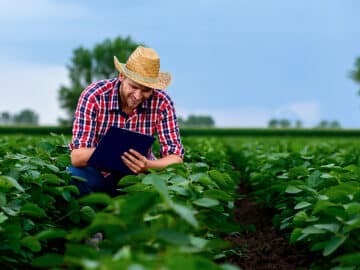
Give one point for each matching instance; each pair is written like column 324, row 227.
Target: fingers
column 129, row 161
column 135, row 161
column 136, row 154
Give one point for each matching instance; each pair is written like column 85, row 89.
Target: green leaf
column 333, row 244
column 292, row 190
column 180, row 191
column 31, row 243
column 218, row 195
column 221, row 179
column 227, row 266
column 185, row 213
column 206, row 202
column 199, row 167
column 300, row 218
column 6, row 182
column 328, row 166
column 352, row 208
column 352, row 224
column 3, row 200
column 139, row 187
column 178, row 180
column 314, row 180
column 313, row 230
column 52, row 168
column 133, row 207
column 81, row 251
column 87, row 213
column 349, row 259
column 51, row 179
column 198, row 242
column 28, row 224
column 158, row 181
column 66, row 195
column 302, row 205
column 183, row 261
column 297, row 172
column 50, row 234
column 129, row 180
column 322, row 206
column 173, row 237
column 3, row 217
column 318, row 246
column 96, row 198
column 32, row 209
column 329, row 227
column 296, row 233
column 48, row 260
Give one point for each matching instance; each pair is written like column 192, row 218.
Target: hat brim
column 161, row 82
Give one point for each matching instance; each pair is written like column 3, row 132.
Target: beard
column 127, row 99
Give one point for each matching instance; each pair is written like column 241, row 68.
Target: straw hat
column 143, row 67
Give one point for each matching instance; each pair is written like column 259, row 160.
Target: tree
column 284, row 123
column 335, row 124
column 26, row 117
column 5, row 118
column 298, row 124
column 197, row 121
column 355, row 74
column 273, row 123
column 181, row 121
column 88, row 65
column 323, row 124
column 328, row 124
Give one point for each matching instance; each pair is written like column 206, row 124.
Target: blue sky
column 243, row 62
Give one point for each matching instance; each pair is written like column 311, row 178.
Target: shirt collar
column 114, row 104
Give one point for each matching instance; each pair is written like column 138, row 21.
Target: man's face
column 133, row 94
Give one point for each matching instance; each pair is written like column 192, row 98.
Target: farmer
column 135, row 100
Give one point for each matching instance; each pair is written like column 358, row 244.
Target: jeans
column 95, row 181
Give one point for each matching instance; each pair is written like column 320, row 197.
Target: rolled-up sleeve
column 168, row 132
column 84, row 126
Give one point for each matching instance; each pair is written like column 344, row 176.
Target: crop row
column 173, row 218
column 314, row 186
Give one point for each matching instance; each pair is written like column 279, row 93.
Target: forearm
column 80, row 157
column 163, row 162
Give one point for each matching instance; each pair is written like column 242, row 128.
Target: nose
column 137, row 94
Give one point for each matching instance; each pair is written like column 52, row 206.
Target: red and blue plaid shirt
column 98, row 109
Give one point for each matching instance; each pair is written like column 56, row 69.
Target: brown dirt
column 263, row 248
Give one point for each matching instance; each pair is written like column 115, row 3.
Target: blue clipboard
column 116, row 141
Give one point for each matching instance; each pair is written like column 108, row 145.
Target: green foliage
column 181, row 211
column 197, row 121
column 24, row 117
column 89, row 65
column 355, row 74
column 314, row 188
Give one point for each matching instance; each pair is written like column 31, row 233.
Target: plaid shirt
column 98, row 109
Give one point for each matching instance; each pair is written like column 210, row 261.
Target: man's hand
column 135, row 161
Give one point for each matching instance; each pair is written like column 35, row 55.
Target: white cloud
column 24, row 10
column 24, row 85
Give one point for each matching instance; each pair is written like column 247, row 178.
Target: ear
column 121, row 77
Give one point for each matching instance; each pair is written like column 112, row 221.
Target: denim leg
column 111, row 184
column 95, row 181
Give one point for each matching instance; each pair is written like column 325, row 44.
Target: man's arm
column 138, row 163
column 80, row 156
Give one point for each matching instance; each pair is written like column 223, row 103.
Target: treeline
column 24, row 117
column 285, row 123
column 196, row 121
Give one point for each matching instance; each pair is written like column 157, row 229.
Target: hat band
column 139, row 77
